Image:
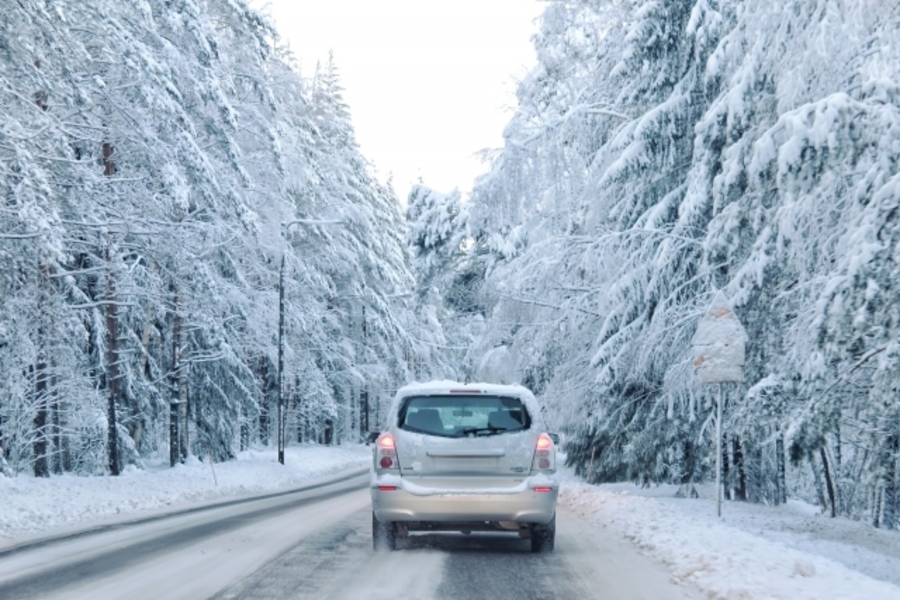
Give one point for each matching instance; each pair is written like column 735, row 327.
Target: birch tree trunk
column 41, row 393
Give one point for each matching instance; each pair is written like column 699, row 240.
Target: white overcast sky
column 429, row 82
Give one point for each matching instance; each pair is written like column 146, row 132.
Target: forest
column 167, row 171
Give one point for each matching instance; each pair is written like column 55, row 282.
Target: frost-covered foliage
column 447, row 281
column 157, row 161
column 667, row 149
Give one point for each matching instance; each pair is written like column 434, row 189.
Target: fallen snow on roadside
column 32, row 505
column 742, row 556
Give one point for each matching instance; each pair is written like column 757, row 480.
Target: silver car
column 464, row 457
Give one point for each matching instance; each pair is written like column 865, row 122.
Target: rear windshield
column 463, row 416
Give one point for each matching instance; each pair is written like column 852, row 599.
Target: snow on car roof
column 447, row 386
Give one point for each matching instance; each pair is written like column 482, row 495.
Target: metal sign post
column 719, row 358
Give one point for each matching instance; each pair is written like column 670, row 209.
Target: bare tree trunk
column 780, row 481
column 175, row 383
column 753, row 466
column 137, row 427
column 245, row 427
column 726, row 482
column 838, row 470
column 876, row 507
column 41, row 375
column 264, row 424
column 41, row 467
column 740, row 492
column 817, row 478
column 183, row 411
column 829, row 484
column 4, row 440
column 328, row 435
column 65, row 450
column 57, row 463
column 113, row 376
column 687, row 489
column 891, row 483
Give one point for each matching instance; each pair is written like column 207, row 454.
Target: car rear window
column 463, row 415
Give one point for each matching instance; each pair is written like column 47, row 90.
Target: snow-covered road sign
column 719, row 344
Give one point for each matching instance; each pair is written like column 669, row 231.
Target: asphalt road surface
column 317, row 544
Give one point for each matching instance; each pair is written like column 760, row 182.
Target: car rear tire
column 543, row 537
column 384, row 536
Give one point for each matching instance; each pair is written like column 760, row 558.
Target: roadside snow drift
column 31, row 505
column 722, row 560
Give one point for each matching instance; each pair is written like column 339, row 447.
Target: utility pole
column 281, row 408
column 281, row 425
column 364, row 412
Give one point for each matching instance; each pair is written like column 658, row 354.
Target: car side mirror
column 555, row 438
column 372, row 436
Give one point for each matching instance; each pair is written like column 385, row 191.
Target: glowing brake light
column 543, row 488
column 386, row 452
column 544, row 454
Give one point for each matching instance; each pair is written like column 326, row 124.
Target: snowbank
column 741, row 555
column 30, row 505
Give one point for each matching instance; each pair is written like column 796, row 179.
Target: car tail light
column 544, row 454
column 386, row 452
column 543, row 488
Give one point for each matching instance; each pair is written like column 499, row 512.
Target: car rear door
column 477, row 442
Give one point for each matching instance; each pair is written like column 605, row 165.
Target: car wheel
column 543, row 537
column 383, row 535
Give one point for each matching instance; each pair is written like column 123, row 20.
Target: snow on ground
column 32, row 505
column 753, row 551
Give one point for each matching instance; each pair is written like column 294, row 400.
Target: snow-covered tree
column 152, row 158
column 661, row 151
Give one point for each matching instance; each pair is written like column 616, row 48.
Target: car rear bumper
column 401, row 504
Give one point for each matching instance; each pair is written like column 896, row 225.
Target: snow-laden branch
column 863, row 360
column 100, row 303
column 586, row 109
column 19, row 236
column 313, row 222
column 548, row 305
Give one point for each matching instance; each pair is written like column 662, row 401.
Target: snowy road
column 339, row 563
column 317, row 544
column 190, row 555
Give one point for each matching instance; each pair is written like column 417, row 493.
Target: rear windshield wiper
column 479, row 431
column 425, row 431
